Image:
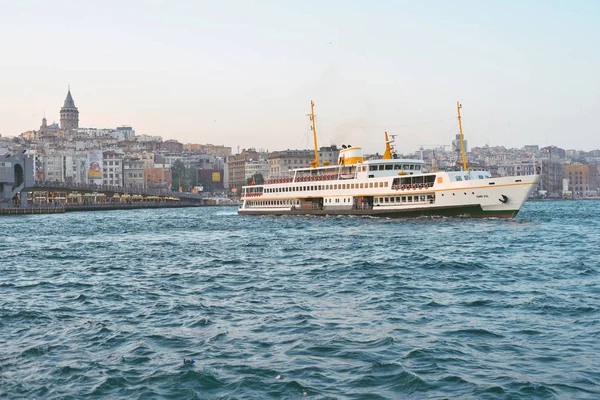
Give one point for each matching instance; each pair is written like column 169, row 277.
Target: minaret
column 69, row 115
column 44, row 128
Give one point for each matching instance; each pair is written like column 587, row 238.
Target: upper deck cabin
column 361, row 170
column 470, row 175
column 394, row 167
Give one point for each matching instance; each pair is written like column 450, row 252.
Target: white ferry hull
column 480, row 198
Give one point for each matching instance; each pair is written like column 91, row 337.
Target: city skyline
column 244, row 76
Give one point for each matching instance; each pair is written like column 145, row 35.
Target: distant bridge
column 110, row 190
column 16, row 180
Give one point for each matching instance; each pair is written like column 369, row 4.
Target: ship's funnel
column 351, row 155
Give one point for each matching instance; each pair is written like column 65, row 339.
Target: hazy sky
column 244, row 72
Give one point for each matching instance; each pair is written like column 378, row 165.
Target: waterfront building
column 552, row 176
column 150, row 143
column 133, row 173
column 119, row 134
column 69, row 114
column 124, row 133
column 226, row 185
column 112, row 171
column 456, row 144
column 29, row 135
column 171, row 146
column 518, row 168
column 148, row 138
column 553, row 153
column 47, row 130
column 59, row 166
column 199, row 160
column 582, row 179
column 260, row 166
column 215, row 150
column 146, row 157
column 236, row 168
column 211, row 179
column 158, row 177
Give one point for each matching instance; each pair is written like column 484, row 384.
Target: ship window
column 405, row 166
column 417, row 167
column 422, row 198
column 397, row 166
column 480, row 176
column 361, row 186
column 387, row 199
column 370, row 184
column 458, row 178
column 409, row 199
column 375, row 200
column 397, row 199
column 412, row 167
column 320, row 187
column 382, row 184
column 381, row 167
column 372, row 167
column 404, row 199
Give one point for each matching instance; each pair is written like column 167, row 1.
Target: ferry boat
column 388, row 187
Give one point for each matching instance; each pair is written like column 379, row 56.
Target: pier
column 31, row 210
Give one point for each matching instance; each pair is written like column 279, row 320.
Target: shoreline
column 98, row 207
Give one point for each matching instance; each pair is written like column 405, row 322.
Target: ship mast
column 314, row 163
column 388, row 154
column 462, row 140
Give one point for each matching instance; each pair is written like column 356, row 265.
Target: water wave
column 300, row 307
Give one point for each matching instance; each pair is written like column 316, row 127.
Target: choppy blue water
column 108, row 305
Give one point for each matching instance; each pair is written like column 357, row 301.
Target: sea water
column 110, row 304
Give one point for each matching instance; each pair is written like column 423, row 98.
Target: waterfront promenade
column 60, row 209
column 46, row 197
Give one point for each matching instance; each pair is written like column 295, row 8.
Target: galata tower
column 69, row 115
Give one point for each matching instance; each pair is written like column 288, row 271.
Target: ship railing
column 302, row 178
